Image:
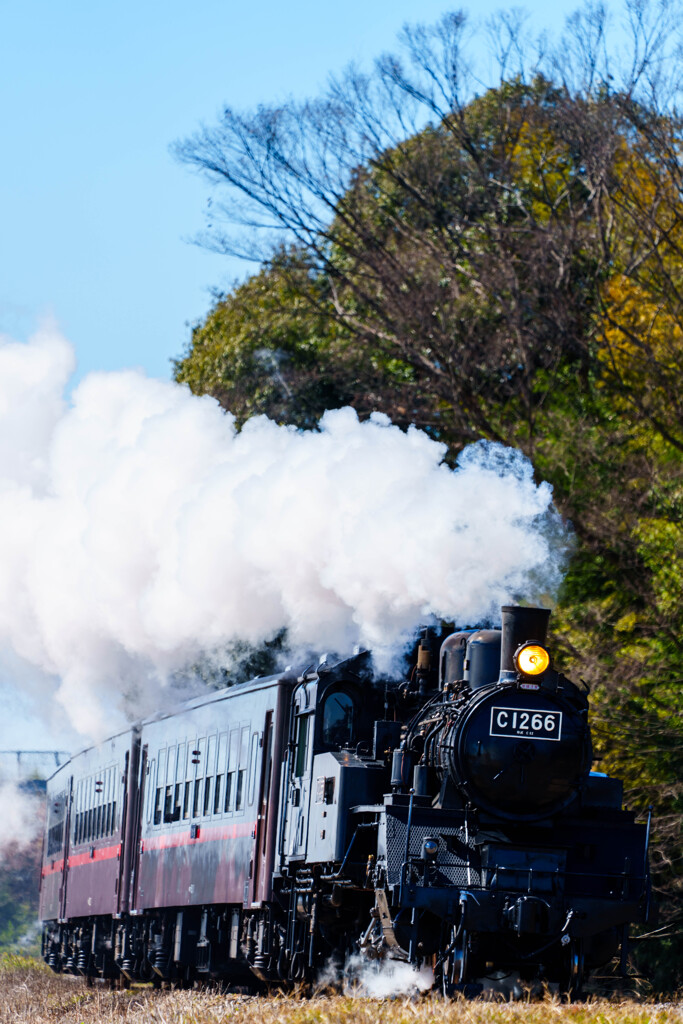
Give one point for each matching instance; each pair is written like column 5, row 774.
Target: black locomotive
column 451, row 820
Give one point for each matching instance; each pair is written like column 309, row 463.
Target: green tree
column 504, row 266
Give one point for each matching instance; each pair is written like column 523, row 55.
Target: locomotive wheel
column 454, row 975
column 572, row 983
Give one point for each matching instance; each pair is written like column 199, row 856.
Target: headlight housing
column 531, row 660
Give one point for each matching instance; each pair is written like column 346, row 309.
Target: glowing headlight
column 531, row 660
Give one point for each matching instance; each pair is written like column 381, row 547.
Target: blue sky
column 97, row 216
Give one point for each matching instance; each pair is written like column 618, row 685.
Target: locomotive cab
column 329, row 767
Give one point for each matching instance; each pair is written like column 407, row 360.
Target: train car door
column 299, row 782
column 262, row 817
column 131, row 821
column 68, row 800
column 133, row 832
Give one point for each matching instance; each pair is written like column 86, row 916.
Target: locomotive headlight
column 531, row 660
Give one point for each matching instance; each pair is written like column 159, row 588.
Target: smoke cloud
column 139, row 529
column 21, row 818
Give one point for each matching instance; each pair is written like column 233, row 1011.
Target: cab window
column 339, row 720
column 301, row 745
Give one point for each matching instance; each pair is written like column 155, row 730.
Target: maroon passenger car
column 176, row 814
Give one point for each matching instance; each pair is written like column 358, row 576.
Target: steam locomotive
column 450, row 820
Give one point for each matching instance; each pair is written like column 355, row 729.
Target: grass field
column 31, row 994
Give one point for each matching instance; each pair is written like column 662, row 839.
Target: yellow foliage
column 642, row 347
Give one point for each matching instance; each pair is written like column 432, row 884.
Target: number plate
column 526, row 723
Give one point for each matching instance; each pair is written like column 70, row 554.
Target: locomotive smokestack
column 520, row 625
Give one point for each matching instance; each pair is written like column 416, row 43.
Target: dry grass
column 31, row 993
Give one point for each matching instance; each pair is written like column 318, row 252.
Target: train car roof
column 213, row 696
column 289, row 675
column 210, row 697
column 92, row 746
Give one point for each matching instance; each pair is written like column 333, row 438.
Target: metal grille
column 455, row 851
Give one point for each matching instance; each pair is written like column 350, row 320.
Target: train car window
column 161, row 768
column 100, row 809
column 55, row 831
column 108, row 796
column 76, row 812
column 195, row 802
column 86, row 806
column 217, row 795
column 211, row 755
column 221, row 760
column 210, row 770
column 339, row 720
column 242, row 770
column 106, row 813
column 239, row 796
column 168, row 804
column 301, row 745
column 113, row 817
column 98, row 822
column 232, row 768
column 157, row 807
column 186, row 800
column 207, row 795
column 253, row 756
column 177, row 801
column 150, row 788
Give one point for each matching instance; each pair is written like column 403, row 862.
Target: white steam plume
column 138, row 528
column 382, row 979
column 21, row 818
